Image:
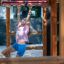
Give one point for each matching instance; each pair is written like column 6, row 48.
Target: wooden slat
column 61, row 28
column 36, row 60
column 44, row 34
column 53, row 27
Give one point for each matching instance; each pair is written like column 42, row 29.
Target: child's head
column 23, row 21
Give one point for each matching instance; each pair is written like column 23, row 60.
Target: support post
column 53, row 27
column 8, row 26
column 61, row 46
column 44, row 35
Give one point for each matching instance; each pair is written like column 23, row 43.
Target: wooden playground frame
column 44, row 24
column 44, row 60
column 8, row 33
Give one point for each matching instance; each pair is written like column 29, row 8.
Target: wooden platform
column 36, row 60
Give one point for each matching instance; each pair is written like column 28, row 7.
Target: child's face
column 23, row 21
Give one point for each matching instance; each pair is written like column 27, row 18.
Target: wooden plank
column 53, row 27
column 44, row 34
column 36, row 60
column 61, row 28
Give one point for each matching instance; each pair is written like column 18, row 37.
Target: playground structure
column 42, row 3
column 53, row 48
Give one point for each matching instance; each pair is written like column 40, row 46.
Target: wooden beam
column 44, row 35
column 53, row 27
column 36, row 47
column 8, row 26
column 36, row 60
column 22, row 2
column 61, row 28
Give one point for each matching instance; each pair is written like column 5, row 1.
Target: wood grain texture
column 61, row 28
column 44, row 35
column 53, row 27
column 8, row 26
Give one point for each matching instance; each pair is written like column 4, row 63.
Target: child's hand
column 30, row 5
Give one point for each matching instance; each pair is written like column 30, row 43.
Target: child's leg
column 7, row 51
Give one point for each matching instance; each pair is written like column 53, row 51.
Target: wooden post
column 44, row 35
column 8, row 26
column 53, row 28
column 0, row 2
column 61, row 28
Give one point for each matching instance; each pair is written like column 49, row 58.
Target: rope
column 18, row 13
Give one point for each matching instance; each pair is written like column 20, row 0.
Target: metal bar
column 24, row 1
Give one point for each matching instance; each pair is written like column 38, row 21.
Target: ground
column 28, row 53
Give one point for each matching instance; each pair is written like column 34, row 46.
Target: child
column 21, row 37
